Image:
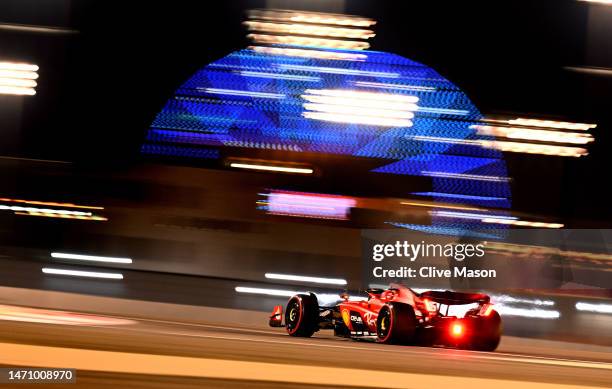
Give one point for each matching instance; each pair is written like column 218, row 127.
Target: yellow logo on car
column 346, row 317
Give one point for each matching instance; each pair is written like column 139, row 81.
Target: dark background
column 101, row 85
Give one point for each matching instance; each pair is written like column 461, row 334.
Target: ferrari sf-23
column 398, row 315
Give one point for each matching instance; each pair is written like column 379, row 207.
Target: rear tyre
column 488, row 331
column 396, row 324
column 302, row 315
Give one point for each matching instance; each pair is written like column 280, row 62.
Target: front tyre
column 302, row 315
column 396, row 324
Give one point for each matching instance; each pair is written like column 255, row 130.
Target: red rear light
column 486, row 310
column 457, row 330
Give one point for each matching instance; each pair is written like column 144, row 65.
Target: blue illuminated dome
column 356, row 103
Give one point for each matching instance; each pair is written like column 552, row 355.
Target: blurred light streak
column 359, row 102
column 471, row 216
column 271, row 168
column 18, row 78
column 595, row 308
column 530, row 148
column 368, row 96
column 51, row 204
column 54, row 215
column 309, row 29
column 604, row 2
column 361, row 111
column 497, row 299
column 311, row 17
column 357, row 107
column 279, row 76
column 546, row 124
column 523, row 223
column 515, row 147
column 542, row 250
column 458, row 196
column 17, row 208
column 463, row 176
column 81, row 273
column 266, row 292
column 535, row 313
column 94, row 258
column 230, row 92
column 444, row 111
column 36, row 29
column 19, row 67
column 45, row 316
column 355, row 119
column 14, row 90
column 307, row 41
column 315, row 280
column 323, row 298
column 310, row 205
column 591, row 70
column 308, row 53
column 495, row 219
column 445, row 206
column 18, row 82
column 330, row 70
column 532, row 134
column 381, row 85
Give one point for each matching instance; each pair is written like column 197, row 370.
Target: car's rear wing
column 455, row 298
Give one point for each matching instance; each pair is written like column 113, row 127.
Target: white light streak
column 444, row 111
column 523, row 223
column 232, row 92
column 309, row 29
column 13, row 90
column 498, row 299
column 603, row 2
column 279, row 76
column 18, row 78
column 465, row 176
column 315, row 280
column 531, row 148
column 24, row 67
column 532, row 134
column 17, row 208
column 535, row 313
column 354, row 119
column 266, row 291
column 595, row 308
column 358, row 107
column 352, row 110
column 309, row 53
column 352, row 72
column 282, row 169
column 18, row 82
column 514, row 147
column 551, row 124
column 80, row 273
column 472, row 216
column 360, row 102
column 19, row 74
column 93, row 258
column 368, row 96
column 307, row 41
column 381, row 85
column 311, row 17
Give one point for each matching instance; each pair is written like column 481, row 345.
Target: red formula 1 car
column 398, row 315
